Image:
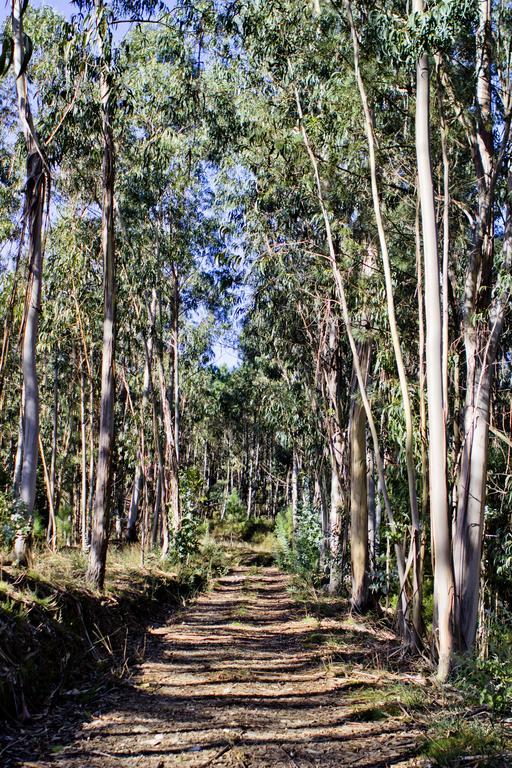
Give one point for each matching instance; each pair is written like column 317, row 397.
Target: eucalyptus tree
column 310, row 127
column 102, row 496
column 484, row 112
column 37, row 181
column 439, row 511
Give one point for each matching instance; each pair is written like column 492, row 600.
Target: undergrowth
column 55, row 630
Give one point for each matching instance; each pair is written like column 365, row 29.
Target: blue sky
column 62, row 6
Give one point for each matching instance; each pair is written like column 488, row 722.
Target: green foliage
column 64, row 521
column 192, row 496
column 451, row 739
column 235, row 508
column 299, row 554
column 185, row 541
column 7, row 529
column 284, row 538
column 488, row 681
column 235, row 524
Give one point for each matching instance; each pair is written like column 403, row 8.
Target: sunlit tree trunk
column 295, row 488
column 35, row 192
column 139, row 470
column 103, row 491
column 483, row 317
column 52, row 533
column 83, row 434
column 414, row 631
column 359, row 555
column 176, row 510
column 341, row 295
column 439, row 513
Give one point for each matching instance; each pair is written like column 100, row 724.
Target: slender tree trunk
column 91, row 472
column 18, row 461
column 334, row 526
column 439, row 511
column 250, row 485
column 359, row 495
column 176, row 511
column 423, row 413
column 35, row 193
column 51, row 532
column 103, row 492
column 483, row 317
column 139, row 471
column 51, row 539
column 393, row 326
column 340, row 290
column 295, row 488
column 83, row 432
column 170, row 481
column 372, row 511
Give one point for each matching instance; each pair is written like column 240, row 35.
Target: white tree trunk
column 443, row 573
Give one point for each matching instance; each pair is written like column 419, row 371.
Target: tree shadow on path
column 235, row 680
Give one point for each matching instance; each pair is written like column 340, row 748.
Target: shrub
column 6, row 519
column 186, row 539
column 284, row 538
column 300, row 553
column 488, row 681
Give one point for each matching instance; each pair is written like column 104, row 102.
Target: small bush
column 186, row 539
column 300, row 553
column 284, row 538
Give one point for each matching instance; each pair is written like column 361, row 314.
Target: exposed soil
column 242, row 678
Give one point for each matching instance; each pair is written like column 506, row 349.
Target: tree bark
column 359, row 495
column 35, row 194
column 146, row 388
column 414, row 631
column 83, row 433
column 439, row 511
column 340, row 290
column 103, row 491
column 483, row 318
column 295, row 489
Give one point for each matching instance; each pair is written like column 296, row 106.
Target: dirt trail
column 235, row 680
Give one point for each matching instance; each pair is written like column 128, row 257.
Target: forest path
column 239, row 678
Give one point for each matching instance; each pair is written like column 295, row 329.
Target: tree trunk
column 335, row 514
column 131, row 534
column 295, row 489
column 83, row 432
column 52, row 532
column 35, row 193
column 483, row 318
column 373, row 519
column 393, row 326
column 443, row 573
column 103, row 492
column 340, row 290
column 359, row 495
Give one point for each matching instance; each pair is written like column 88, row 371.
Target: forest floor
column 250, row 675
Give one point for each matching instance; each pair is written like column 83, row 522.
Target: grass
column 457, row 741
column 56, row 630
column 460, row 723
